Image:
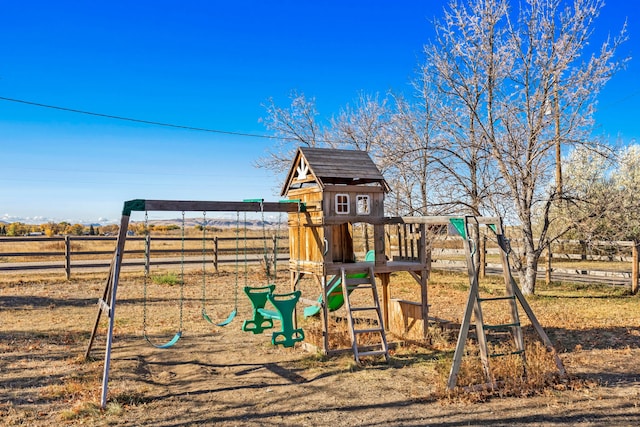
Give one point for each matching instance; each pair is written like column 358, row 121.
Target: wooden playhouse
column 342, row 190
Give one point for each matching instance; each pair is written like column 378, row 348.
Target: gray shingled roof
column 334, row 166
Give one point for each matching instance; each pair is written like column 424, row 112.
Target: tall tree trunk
column 529, row 274
column 529, row 271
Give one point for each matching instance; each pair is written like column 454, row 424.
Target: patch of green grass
column 166, row 279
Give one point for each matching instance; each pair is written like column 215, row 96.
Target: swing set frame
column 107, row 304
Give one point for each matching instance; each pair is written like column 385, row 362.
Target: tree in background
column 587, row 189
column 604, row 203
column 521, row 83
column 501, row 91
column 293, row 126
column 408, row 153
column 626, row 183
column 50, row 229
column 75, row 229
column 17, row 229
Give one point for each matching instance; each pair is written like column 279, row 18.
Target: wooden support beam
column 209, row 206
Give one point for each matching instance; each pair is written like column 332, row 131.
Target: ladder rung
column 359, row 288
column 365, row 331
column 507, row 354
column 506, row 325
column 358, row 280
column 364, row 281
column 363, row 308
column 352, row 286
column 372, row 353
column 497, row 298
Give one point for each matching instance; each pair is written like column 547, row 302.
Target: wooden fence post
column 67, row 256
column 634, row 269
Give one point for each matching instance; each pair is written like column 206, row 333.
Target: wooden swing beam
column 250, row 205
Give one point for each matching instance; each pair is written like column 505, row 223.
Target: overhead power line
column 148, row 122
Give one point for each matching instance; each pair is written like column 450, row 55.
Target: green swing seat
column 258, row 296
column 284, row 305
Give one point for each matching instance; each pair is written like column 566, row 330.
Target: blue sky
column 206, row 64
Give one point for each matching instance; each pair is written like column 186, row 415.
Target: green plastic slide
column 335, row 298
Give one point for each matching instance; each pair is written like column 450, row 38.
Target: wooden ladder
column 364, row 281
column 512, row 296
column 483, row 330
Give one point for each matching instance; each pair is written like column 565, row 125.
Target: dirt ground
column 223, row 376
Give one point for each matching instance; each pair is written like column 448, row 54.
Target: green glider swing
column 233, row 313
column 178, row 334
column 284, row 304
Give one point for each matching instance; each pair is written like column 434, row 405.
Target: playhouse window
column 363, row 205
column 342, row 204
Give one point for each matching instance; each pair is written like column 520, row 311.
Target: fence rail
column 139, row 252
column 607, row 261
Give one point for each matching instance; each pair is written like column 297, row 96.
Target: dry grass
column 44, row 382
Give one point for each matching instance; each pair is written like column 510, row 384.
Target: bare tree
column 408, row 159
column 293, row 126
column 361, row 127
column 415, row 133
column 471, row 181
column 507, row 74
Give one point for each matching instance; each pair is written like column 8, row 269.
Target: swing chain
column 204, row 260
column 275, row 247
column 182, row 272
column 145, row 280
column 237, row 247
column 246, row 267
column 265, row 255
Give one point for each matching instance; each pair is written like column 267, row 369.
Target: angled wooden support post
column 107, row 303
column 470, row 308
